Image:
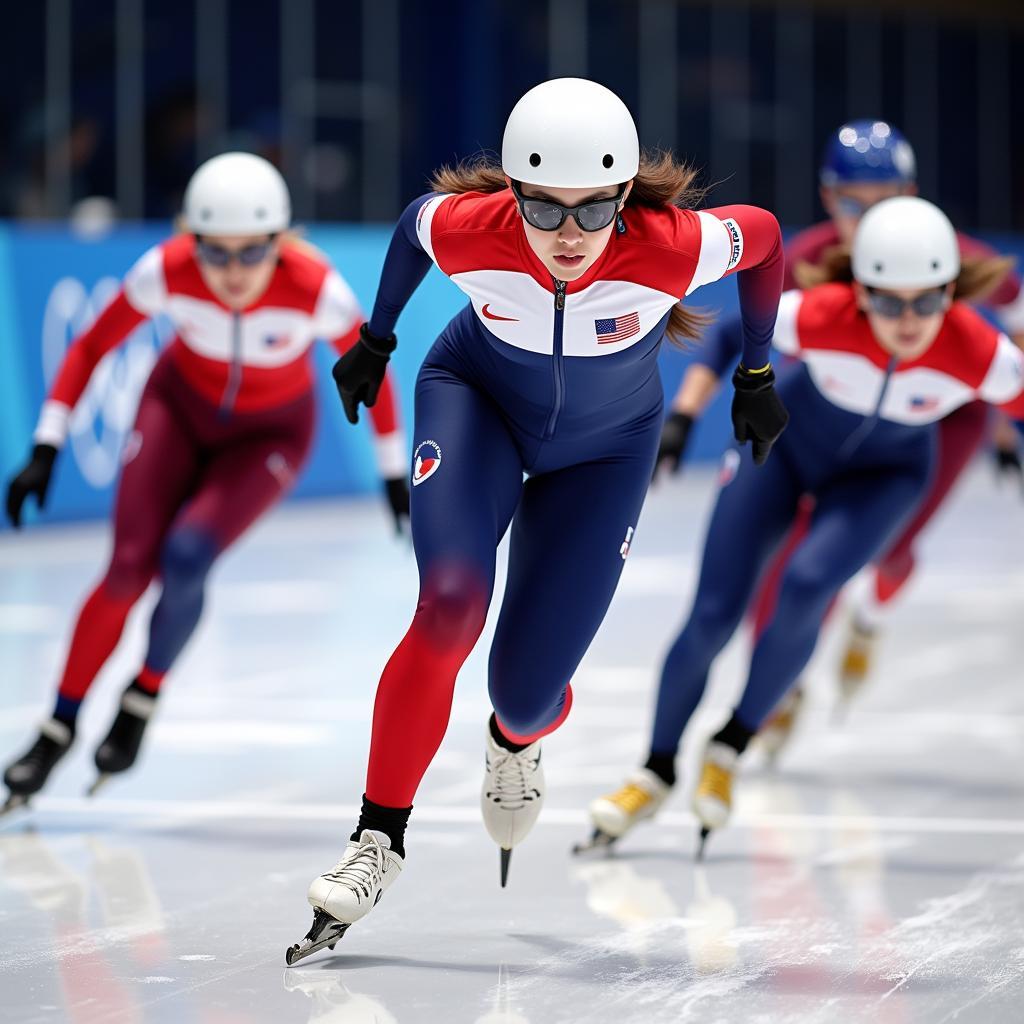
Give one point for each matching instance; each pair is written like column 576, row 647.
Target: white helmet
column 570, row 133
column 237, row 194
column 905, row 242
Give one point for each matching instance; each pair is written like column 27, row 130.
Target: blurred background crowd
column 106, row 106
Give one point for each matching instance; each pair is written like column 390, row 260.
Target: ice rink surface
column 876, row 875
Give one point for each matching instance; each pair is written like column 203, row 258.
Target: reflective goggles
column 892, row 307
column 847, row 206
column 548, row 215
column 218, row 256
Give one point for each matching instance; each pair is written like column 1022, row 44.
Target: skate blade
column 101, row 781
column 14, row 802
column 506, row 859
column 702, row 843
column 325, row 931
column 599, row 840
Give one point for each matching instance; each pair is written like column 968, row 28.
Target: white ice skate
column 613, row 815
column 348, row 892
column 774, row 736
column 512, row 796
column 712, row 799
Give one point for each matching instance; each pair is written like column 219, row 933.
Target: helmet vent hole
column 935, row 264
column 260, row 213
column 206, row 213
column 608, row 160
column 535, row 159
column 879, row 267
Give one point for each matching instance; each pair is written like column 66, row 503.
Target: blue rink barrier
column 52, row 283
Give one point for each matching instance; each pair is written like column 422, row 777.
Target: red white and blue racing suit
column 862, row 441
column 224, row 425
column 961, row 433
column 557, row 382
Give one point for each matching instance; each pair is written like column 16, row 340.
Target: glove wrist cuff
column 753, row 382
column 45, row 453
column 378, row 346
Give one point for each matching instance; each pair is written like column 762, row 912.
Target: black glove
column 33, row 479
column 675, row 435
column 359, row 372
column 758, row 415
column 397, row 491
column 1008, row 465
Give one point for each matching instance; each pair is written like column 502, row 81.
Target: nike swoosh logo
column 494, row 316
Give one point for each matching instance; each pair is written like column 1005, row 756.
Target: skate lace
column 510, row 771
column 364, row 870
column 631, row 798
column 716, row 782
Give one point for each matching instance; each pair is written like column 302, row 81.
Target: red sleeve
column 1015, row 408
column 109, row 329
column 808, row 246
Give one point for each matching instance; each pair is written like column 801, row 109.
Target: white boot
column 857, row 660
column 640, row 797
column 712, row 799
column 353, row 887
column 511, row 796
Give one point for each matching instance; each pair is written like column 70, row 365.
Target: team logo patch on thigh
column 278, row 467
column 624, row 549
column 132, row 447
column 426, row 461
column 727, row 470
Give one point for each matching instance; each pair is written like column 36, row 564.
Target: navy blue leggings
column 858, row 511
column 572, row 521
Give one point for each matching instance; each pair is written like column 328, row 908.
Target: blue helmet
column 867, row 151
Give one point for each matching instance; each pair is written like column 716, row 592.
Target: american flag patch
column 275, row 340
column 617, row 328
column 923, row 404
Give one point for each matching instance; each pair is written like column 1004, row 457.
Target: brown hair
column 979, row 276
column 661, row 181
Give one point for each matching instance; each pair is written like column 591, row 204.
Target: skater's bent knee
column 453, row 607
column 129, row 574
column 805, row 589
column 186, row 557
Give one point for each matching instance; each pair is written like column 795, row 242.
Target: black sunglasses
column 892, row 307
column 547, row 215
column 218, row 256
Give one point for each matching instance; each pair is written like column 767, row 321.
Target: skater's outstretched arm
column 747, row 240
column 359, row 373
column 405, row 266
column 140, row 297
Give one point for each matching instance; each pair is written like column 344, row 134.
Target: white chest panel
column 604, row 318
column 913, row 397
column 626, row 313
column 846, row 380
column 922, row 396
column 512, row 306
column 265, row 337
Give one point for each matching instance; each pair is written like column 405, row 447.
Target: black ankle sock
column 389, row 820
column 501, row 739
column 664, row 766
column 734, row 734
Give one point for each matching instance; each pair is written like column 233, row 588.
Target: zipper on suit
column 557, row 360
column 227, row 402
